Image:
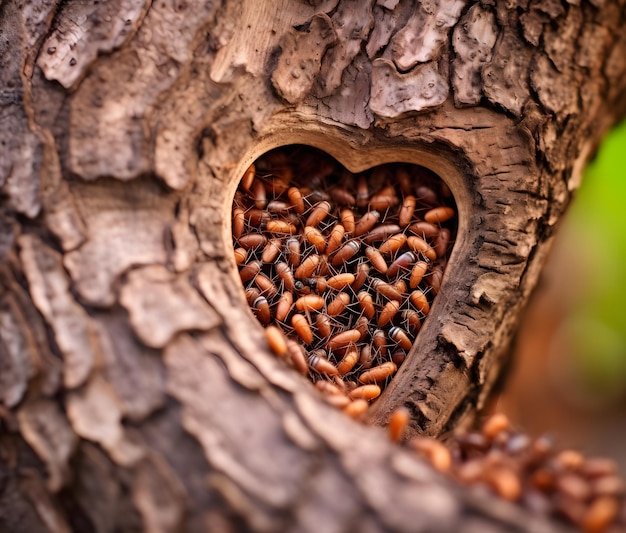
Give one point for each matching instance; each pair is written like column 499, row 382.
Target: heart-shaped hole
column 346, row 265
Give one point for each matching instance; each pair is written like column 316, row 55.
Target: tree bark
column 137, row 389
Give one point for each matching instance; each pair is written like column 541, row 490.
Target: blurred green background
column 597, row 324
column 569, row 374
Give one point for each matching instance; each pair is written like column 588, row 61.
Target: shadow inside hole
column 346, row 265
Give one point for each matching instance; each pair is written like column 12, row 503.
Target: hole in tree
column 346, row 265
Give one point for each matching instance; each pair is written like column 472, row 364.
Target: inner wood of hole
column 358, row 160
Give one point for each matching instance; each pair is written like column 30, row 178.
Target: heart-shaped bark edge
column 346, row 265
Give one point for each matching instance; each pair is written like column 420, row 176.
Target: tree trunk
column 137, row 388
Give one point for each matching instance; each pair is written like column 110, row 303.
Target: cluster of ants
column 342, row 270
column 345, row 266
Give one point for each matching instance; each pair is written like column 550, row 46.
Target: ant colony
column 345, row 265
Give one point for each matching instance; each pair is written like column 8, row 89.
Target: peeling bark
column 137, row 391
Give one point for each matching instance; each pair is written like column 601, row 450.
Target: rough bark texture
column 136, row 387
